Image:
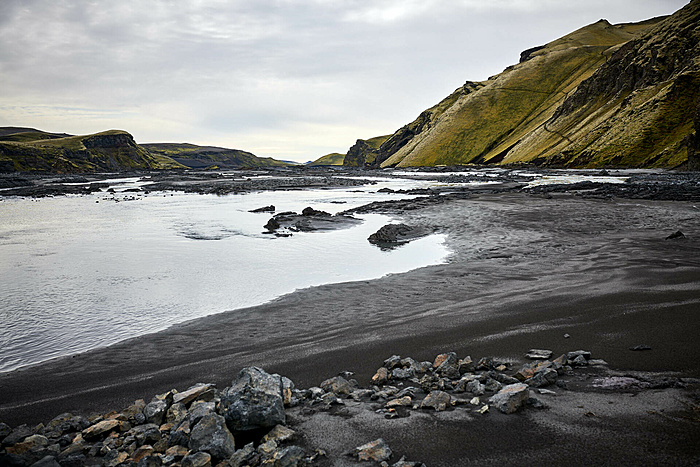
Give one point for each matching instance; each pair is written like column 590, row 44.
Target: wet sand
column 526, row 270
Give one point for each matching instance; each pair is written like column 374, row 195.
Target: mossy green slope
column 334, row 158
column 194, row 156
column 112, row 150
column 604, row 95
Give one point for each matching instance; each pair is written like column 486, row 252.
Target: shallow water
column 77, row 274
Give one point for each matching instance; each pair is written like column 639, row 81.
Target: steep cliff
column 604, row 95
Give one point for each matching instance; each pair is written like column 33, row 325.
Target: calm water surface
column 76, row 274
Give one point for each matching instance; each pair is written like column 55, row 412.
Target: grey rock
column 640, row 347
column 292, row 456
column 12, row 460
column 145, row 434
column 253, row 401
column 337, row 385
column 212, row 435
column 509, row 399
column 198, row 410
column 198, row 459
column 191, row 394
column 176, row 413
column 546, row 377
column 270, row 208
column 48, row 461
column 242, row 457
column 150, row 461
column 578, row 353
column 492, row 385
column 677, row 235
column 392, row 362
column 438, row 400
column 475, row 387
column 579, row 361
column 17, row 435
column 502, row 378
column 5, row 430
column 155, row 411
column 402, row 373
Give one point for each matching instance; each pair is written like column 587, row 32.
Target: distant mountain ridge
column 604, row 95
column 29, row 149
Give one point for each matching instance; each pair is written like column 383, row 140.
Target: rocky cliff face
column 604, row 95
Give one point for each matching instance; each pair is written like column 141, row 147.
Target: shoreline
column 526, row 269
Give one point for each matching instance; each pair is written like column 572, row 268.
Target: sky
column 290, row 79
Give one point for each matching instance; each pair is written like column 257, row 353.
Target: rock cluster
column 245, row 424
column 285, row 223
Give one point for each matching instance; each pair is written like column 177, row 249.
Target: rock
column 566, row 336
column 29, row 443
column 145, row 434
column 292, row 456
column 5, row 430
column 191, row 394
column 475, row 401
column 279, row 434
column 176, row 413
column 509, row 399
column 449, row 358
column 212, row 435
column 543, row 378
column 155, row 411
column 272, row 224
column 143, row 451
column 438, row 400
column 579, row 361
column 678, row 235
column 466, row 365
column 270, row 208
column 392, row 362
column 242, row 457
column 199, row 409
column 101, row 428
column 48, row 461
column 571, row 356
column 394, row 233
column 150, row 461
column 198, row 459
column 381, row 376
column 113, row 458
column 288, row 399
column 404, row 401
column 253, row 401
column 309, row 211
column 402, row 373
column 337, row 385
column 17, row 435
column 12, row 460
column 404, row 463
column 475, row 387
column 539, row 354
column 484, row 409
column 376, row 450
column 640, row 347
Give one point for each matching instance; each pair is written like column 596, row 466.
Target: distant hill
column 28, row 149
column 202, row 157
column 334, row 158
column 625, row 95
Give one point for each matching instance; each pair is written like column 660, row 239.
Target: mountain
column 334, row 158
column 202, row 157
column 623, row 95
column 28, row 149
column 364, row 152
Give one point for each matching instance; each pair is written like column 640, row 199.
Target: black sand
column 525, row 271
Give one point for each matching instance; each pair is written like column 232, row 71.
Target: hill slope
column 27, row 149
column 200, row 157
column 604, row 95
column 334, row 158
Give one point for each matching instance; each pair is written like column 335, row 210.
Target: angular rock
column 309, row 211
column 392, row 362
column 376, row 450
column 101, row 428
column 197, row 459
column 337, row 385
column 466, row 365
column 145, row 434
column 402, row 373
column 578, row 353
column 191, row 394
column 279, row 434
column 475, row 387
column 404, row 401
column 449, row 358
column 155, row 411
column 242, row 457
column 17, row 435
column 114, row 458
column 5, row 430
column 29, row 443
column 640, row 347
column 292, row 456
column 176, row 413
column 579, row 361
column 543, row 378
column 539, row 354
column 143, row 451
column 212, row 435
column 509, row 399
column 381, row 376
column 253, row 401
column 198, row 410
column 438, row 400
column 395, row 233
column 677, row 235
column 270, row 208
column 150, row 461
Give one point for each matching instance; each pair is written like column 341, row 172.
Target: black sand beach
column 526, row 270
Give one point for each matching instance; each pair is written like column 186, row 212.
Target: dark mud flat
column 527, row 270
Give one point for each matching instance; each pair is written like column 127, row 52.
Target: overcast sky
column 290, row 79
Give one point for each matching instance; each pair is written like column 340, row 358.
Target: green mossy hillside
column 203, row 157
column 334, row 158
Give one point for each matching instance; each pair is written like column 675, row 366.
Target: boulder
column 242, row 457
column 404, row 401
column 438, row 400
column 211, row 435
column 376, row 450
column 253, row 401
column 392, row 362
column 279, row 434
column 29, row 443
column 155, row 411
column 199, row 409
column 99, row 429
column 17, row 435
column 543, row 378
column 47, row 461
column 402, row 373
column 395, row 233
column 445, row 358
column 176, row 413
column 270, row 208
column 292, row 456
column 309, row 211
column 509, row 399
